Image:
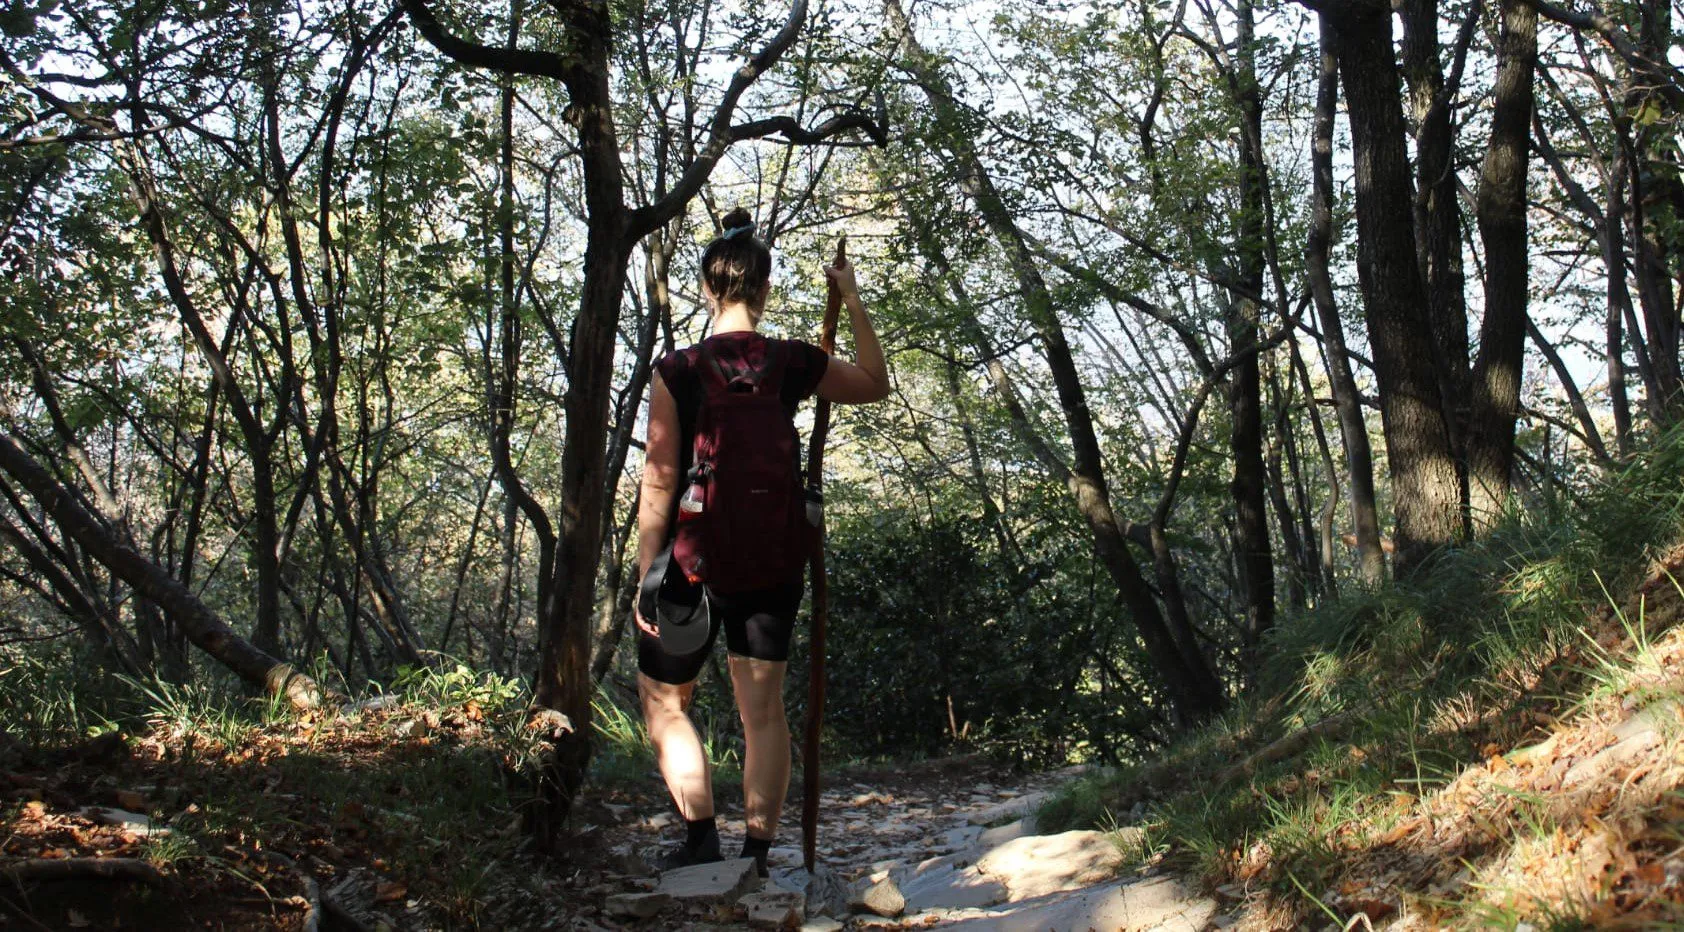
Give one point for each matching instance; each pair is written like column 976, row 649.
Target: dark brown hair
column 736, row 266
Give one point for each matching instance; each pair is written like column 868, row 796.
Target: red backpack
column 742, row 520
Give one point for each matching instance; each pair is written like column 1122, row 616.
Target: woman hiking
column 721, row 433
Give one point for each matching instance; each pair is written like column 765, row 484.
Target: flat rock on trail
column 958, row 845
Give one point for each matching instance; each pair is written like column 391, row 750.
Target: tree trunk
column 1502, row 228
column 1437, row 211
column 1347, row 403
column 1425, row 485
column 1252, row 547
column 1618, row 305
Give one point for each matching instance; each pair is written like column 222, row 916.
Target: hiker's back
column 742, row 522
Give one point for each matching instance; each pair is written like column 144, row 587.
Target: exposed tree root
column 40, row 870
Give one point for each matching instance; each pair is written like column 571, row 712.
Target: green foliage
column 51, row 695
column 935, row 642
column 438, row 687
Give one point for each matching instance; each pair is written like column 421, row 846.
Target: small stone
column 884, row 899
column 637, row 905
column 719, row 884
column 821, row 924
column 779, row 909
column 826, row 893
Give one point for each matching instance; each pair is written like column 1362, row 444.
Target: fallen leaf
column 390, row 892
column 131, row 800
column 1374, row 909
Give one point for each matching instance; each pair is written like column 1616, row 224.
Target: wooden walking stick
column 821, row 591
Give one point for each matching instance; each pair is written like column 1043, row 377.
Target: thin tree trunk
column 1252, row 545
column 1353, row 430
column 617, row 595
column 1188, row 676
column 1619, row 304
column 1502, row 227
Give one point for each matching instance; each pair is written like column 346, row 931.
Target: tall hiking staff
column 821, row 587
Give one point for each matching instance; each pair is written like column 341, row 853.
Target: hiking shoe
column 682, row 855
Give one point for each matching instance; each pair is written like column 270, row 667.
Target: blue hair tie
column 735, row 232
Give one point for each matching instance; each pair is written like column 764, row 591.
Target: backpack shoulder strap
column 769, row 378
column 766, row 378
column 710, row 372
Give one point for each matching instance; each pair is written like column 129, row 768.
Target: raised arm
column 866, row 379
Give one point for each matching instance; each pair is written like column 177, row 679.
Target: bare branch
column 476, row 55
column 721, row 132
column 796, row 134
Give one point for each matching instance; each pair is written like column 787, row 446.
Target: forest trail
column 948, row 844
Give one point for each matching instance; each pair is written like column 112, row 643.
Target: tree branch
column 796, row 134
column 476, row 55
column 721, row 132
column 1669, row 79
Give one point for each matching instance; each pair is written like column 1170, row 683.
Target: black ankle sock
column 696, row 831
column 756, row 848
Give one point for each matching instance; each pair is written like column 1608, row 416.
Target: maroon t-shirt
column 737, row 352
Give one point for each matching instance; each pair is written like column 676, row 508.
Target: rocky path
column 923, row 850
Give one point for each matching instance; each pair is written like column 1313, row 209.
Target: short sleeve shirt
column 737, row 352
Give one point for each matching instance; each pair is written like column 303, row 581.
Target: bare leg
column 759, row 685
column 678, row 749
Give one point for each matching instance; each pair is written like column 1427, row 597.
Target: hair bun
column 737, row 223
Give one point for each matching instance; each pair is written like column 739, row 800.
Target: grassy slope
column 1452, row 753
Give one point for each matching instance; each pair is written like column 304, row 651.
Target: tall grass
column 1430, row 666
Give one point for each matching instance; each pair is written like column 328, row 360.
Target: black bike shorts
column 757, row 624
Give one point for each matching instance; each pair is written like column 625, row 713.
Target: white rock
column 1015, row 808
column 718, row 884
column 1160, row 903
column 827, row 894
column 995, row 837
column 883, row 898
column 1036, row 865
column 131, row 822
column 949, row 882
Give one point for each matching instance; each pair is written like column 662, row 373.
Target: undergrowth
column 1487, row 648
column 425, row 777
